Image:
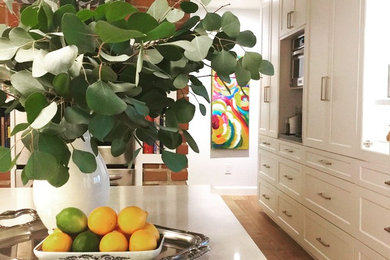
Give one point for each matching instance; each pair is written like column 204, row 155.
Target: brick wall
column 153, row 174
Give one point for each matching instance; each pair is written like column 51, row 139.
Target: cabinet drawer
column 331, row 198
column 267, row 196
column 268, row 144
column 374, row 222
column 375, row 178
column 325, row 240
column 290, row 214
column 267, row 167
column 333, row 165
column 290, row 178
column 290, row 151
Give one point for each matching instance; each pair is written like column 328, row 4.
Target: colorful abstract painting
column 229, row 115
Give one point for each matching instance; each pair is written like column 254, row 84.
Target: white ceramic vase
column 83, row 191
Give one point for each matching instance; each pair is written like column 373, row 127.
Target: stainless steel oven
column 297, row 61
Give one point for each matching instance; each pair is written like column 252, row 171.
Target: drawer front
column 267, row 196
column 290, row 151
column 267, row 167
column 374, row 221
column 290, row 178
column 331, row 198
column 325, row 240
column 333, row 166
column 290, row 214
column 268, row 144
column 121, row 177
column 375, row 179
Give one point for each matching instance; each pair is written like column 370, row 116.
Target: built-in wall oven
column 297, row 61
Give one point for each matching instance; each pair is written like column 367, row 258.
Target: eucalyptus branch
column 222, row 7
column 200, row 2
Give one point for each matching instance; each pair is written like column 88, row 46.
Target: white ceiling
column 236, row 4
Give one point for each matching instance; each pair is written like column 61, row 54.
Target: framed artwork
column 229, row 114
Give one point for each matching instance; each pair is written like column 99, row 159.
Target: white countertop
column 192, row 208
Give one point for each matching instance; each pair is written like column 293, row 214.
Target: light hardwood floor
column 271, row 239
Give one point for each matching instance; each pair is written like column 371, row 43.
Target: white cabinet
column 269, row 97
column 292, row 16
column 333, row 46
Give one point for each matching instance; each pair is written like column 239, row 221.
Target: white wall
column 208, row 167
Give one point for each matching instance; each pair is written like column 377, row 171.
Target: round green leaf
column 106, row 73
column 189, row 7
column 45, row 116
column 202, row 109
column 251, row 62
column 169, row 139
column 19, row 127
column 68, row 8
column 84, row 160
column 34, row 105
column 247, row 39
column 118, row 147
column 163, row 30
column 266, row 68
column 102, row 99
column 118, row 10
column 77, row 33
column 59, row 177
column 223, row 42
column 212, row 22
column 190, row 141
column 5, row 159
column 53, row 145
column 61, row 84
column 230, row 24
column 174, row 161
column 170, row 52
column 201, row 46
column 100, row 126
column 3, row 97
column 29, row 16
column 242, row 75
column 180, row 81
column 76, row 115
column 40, row 166
column 112, row 34
column 198, row 88
column 139, row 106
column 224, row 63
column 148, row 135
column 94, row 146
column 85, row 14
column 141, row 22
column 25, row 84
column 174, row 15
column 184, row 110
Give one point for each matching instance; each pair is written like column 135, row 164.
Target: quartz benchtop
column 193, row 208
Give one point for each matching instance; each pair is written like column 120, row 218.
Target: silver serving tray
column 178, row 244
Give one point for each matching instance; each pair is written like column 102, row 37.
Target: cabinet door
column 286, row 13
column 317, row 49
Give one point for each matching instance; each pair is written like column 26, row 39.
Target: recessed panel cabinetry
column 333, row 53
column 292, row 16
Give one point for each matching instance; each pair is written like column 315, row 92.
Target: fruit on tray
column 103, row 230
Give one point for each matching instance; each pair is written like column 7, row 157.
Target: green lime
column 86, row 241
column 71, row 220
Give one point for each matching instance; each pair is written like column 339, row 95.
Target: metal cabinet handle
column 285, row 213
column 289, row 23
column 387, row 183
column 266, row 143
column 267, row 96
column 387, row 229
column 324, row 88
column 266, row 166
column 289, row 150
column 322, row 195
column 322, row 242
column 265, row 196
column 325, row 162
column 288, row 177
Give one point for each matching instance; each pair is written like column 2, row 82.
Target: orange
column 113, row 241
column 142, row 240
column 57, row 242
column 150, row 227
column 131, row 219
column 102, row 220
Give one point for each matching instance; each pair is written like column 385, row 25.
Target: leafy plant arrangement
column 75, row 70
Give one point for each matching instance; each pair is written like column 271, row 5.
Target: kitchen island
column 192, row 208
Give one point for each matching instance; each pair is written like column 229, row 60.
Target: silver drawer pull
column 387, row 229
column 288, row 177
column 387, row 183
column 266, row 166
column 289, row 150
column 322, row 242
column 265, row 196
column 324, row 196
column 266, row 143
column 325, row 162
column 285, row 213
